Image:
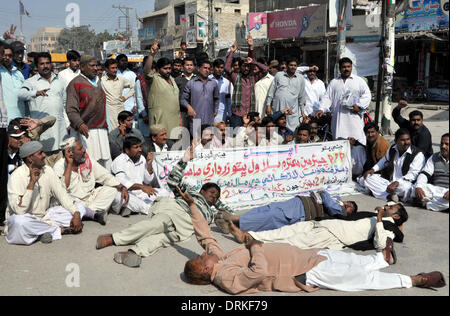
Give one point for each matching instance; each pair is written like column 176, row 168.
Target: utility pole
column 211, row 41
column 127, row 17
column 386, row 66
column 342, row 24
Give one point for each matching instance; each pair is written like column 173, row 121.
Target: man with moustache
column 169, row 220
column 400, row 168
column 46, row 96
column 86, row 110
column 201, row 97
column 346, row 98
column 12, row 80
column 89, row 183
column 182, row 80
column 243, row 98
column 376, row 146
column 125, row 129
column 18, row 50
column 432, row 183
column 225, row 89
column 420, row 135
column 123, row 71
column 30, row 190
column 114, row 86
column 163, row 96
column 287, row 91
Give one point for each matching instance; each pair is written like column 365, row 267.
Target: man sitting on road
column 400, row 169
column 30, row 189
column 125, row 129
column 81, row 177
column 136, row 174
column 282, row 267
column 432, row 183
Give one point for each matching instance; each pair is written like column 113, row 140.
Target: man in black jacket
column 420, row 135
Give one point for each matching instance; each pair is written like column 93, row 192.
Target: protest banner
column 259, row 175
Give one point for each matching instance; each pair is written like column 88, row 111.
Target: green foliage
column 83, row 39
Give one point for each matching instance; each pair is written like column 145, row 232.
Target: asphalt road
column 73, row 266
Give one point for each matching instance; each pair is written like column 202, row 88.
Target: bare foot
column 238, row 234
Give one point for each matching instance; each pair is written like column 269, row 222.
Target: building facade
column 177, row 21
column 45, row 40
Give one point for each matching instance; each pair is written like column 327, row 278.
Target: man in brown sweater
column 281, row 267
column 376, row 147
column 86, row 110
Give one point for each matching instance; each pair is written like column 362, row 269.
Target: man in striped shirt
column 169, row 219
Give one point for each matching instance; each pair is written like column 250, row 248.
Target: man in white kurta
column 46, row 95
column 347, row 98
column 334, row 233
column 136, row 174
column 30, row 190
column 66, row 75
column 261, row 89
column 315, row 91
column 400, row 168
column 79, row 175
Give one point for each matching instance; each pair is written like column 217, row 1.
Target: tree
column 83, row 40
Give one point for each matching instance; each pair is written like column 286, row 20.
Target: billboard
column 257, row 26
column 306, row 22
column 424, row 15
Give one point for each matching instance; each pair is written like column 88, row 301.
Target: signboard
column 306, row 22
column 146, row 34
column 259, row 175
column 257, row 27
column 424, row 15
column 203, row 29
column 191, row 38
column 364, row 29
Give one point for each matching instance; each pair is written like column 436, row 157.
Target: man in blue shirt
column 279, row 214
column 18, row 51
column 12, row 80
column 225, row 89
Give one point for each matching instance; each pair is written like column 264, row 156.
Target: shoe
column 101, row 217
column 431, row 280
column 223, row 225
column 393, row 198
column 128, row 258
column 125, row 212
column 390, row 252
column 46, row 238
column 104, row 241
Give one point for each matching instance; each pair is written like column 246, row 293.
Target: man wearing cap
column 86, row 110
column 30, row 190
column 12, row 80
column 79, row 175
column 15, row 134
column 18, row 50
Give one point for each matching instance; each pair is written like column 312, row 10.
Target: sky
column 98, row 13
